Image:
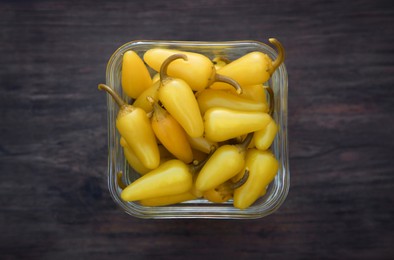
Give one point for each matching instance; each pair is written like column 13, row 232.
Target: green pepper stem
column 241, row 181
column 228, row 80
column 244, row 145
column 164, row 66
column 281, row 55
column 197, row 166
column 114, row 95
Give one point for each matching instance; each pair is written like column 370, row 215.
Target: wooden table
column 53, row 135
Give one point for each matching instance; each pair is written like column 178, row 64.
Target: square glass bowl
column 199, row 208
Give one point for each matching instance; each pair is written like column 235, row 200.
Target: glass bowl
column 199, row 208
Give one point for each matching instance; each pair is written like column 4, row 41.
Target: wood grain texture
column 53, row 146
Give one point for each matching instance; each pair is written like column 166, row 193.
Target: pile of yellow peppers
column 199, row 128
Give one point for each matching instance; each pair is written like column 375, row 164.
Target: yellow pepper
column 254, row 92
column 170, row 178
column 196, row 69
column 136, row 164
column 224, row 191
column 135, row 75
column 132, row 158
column 196, row 193
column 142, row 102
column 223, row 124
column 134, row 126
column 178, row 99
column 263, row 167
column 252, row 68
column 170, row 133
column 218, row 98
column 263, row 139
column 168, row 200
column 226, row 162
column 258, row 93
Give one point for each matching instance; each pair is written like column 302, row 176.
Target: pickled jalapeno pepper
column 170, row 178
column 195, row 69
column 135, row 75
column 262, row 167
column 210, row 98
column 178, row 99
column 134, row 126
column 252, row 68
column 226, row 162
column 170, row 133
column 223, row 124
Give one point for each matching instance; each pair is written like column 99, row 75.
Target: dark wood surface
column 53, row 148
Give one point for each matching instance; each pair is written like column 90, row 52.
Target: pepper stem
column 244, row 145
column 164, row 66
column 281, row 54
column 114, row 95
column 197, row 166
column 228, row 80
column 241, row 181
column 158, row 111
